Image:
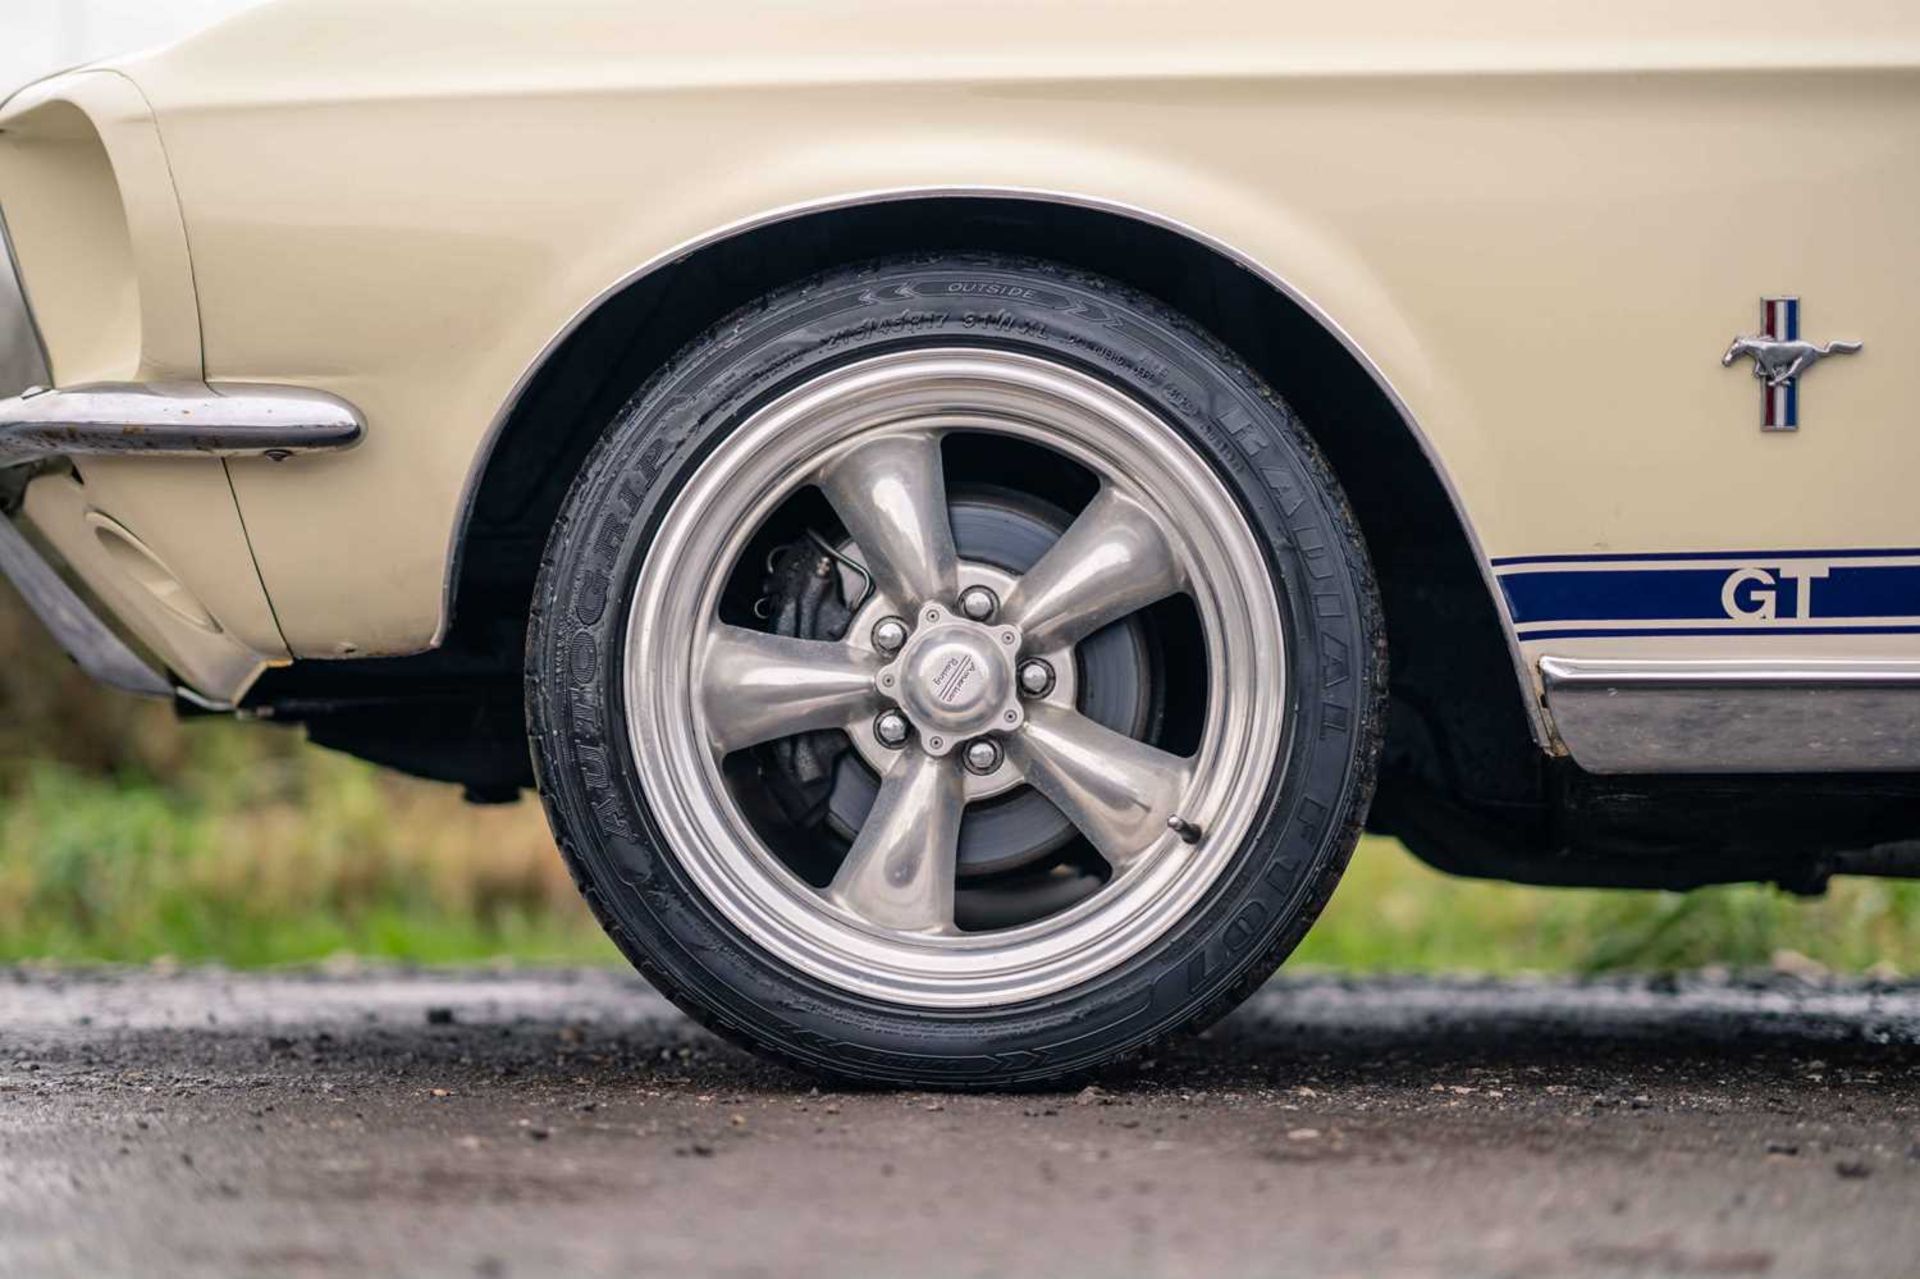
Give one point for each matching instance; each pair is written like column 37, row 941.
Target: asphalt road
column 517, row 1124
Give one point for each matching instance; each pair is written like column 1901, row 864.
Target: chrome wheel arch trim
column 1522, row 670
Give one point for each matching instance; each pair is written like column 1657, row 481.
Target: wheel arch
column 1439, row 594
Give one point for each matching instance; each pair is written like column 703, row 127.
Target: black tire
column 1253, row 916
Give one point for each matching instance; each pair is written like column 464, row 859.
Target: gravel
column 528, row 1123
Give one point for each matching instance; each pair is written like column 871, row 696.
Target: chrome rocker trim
column 1736, row 716
column 229, row 419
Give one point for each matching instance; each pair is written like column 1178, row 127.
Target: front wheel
column 955, row 671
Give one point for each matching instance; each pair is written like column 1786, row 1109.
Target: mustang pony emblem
column 1779, row 358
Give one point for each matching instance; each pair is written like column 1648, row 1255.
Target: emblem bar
column 1782, row 409
column 1779, row 358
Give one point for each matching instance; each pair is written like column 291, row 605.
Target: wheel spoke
column 1114, row 560
column 1119, row 792
column 756, row 687
column 892, row 496
column 900, row 871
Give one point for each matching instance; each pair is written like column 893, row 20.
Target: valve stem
column 1186, row 830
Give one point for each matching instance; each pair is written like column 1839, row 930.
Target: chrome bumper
column 129, row 419
column 172, row 420
column 191, row 418
column 194, row 419
column 95, row 648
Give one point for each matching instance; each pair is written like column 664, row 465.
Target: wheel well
column 1459, row 723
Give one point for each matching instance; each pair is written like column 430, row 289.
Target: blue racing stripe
column 1761, row 589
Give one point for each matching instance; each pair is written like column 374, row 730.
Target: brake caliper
column 802, row 596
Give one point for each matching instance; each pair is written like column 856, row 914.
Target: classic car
column 964, row 512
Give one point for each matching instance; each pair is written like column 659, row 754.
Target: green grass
column 1393, row 913
column 250, row 848
column 253, row 858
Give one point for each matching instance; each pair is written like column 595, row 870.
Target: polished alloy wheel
column 870, row 437
column 955, row 670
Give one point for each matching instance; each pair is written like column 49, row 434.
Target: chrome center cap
column 956, row 679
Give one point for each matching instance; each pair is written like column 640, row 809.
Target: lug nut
column 983, row 756
column 889, row 633
column 1036, row 678
column 892, row 729
column 978, row 603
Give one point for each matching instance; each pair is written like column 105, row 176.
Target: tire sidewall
column 1304, row 829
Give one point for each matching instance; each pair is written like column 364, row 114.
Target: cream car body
column 1532, row 227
